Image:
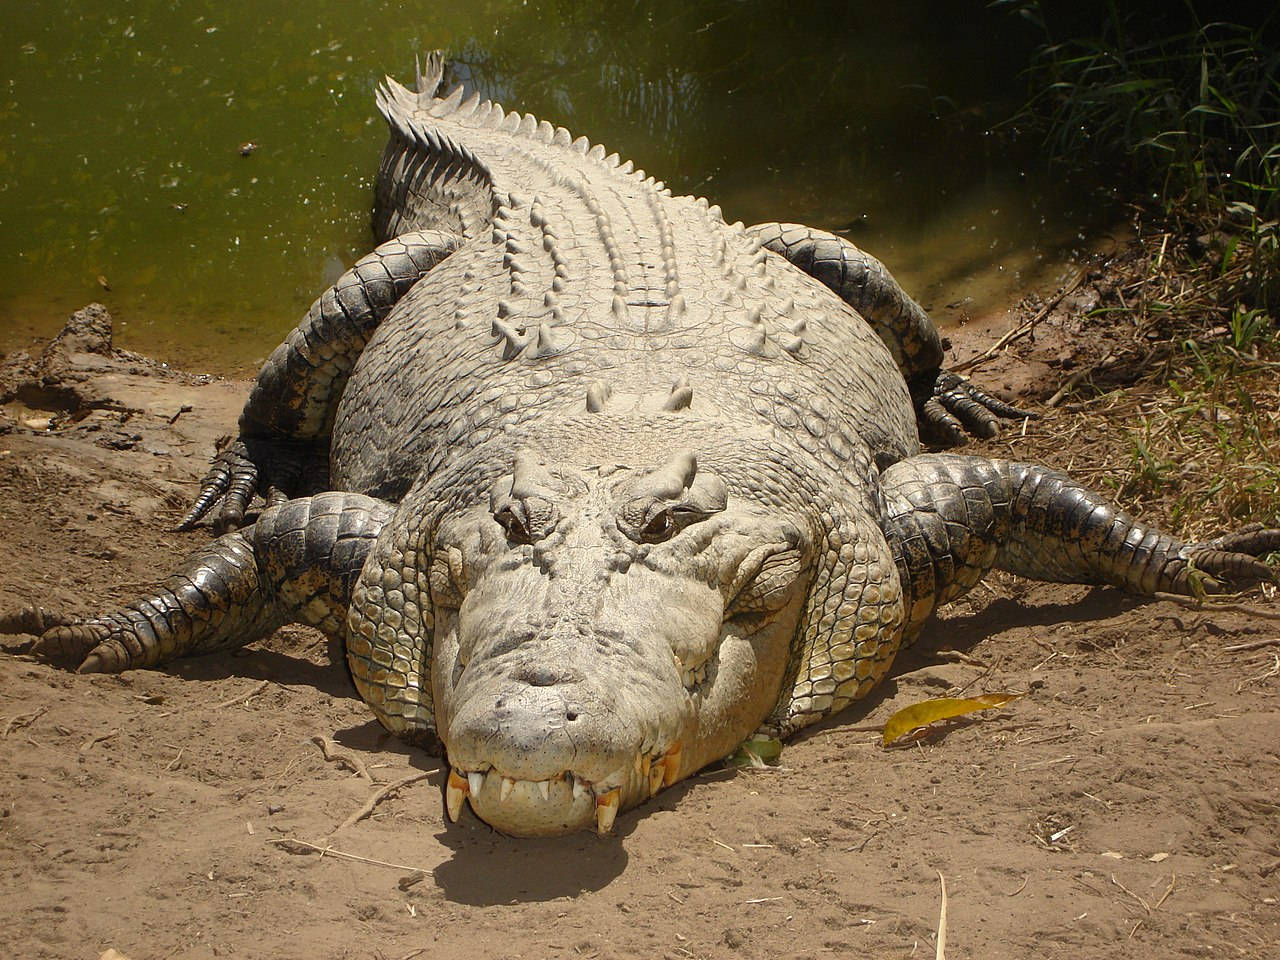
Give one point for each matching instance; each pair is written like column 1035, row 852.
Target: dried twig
column 1252, row 645
column 353, row 764
column 101, row 738
column 22, row 720
column 1273, row 672
column 302, row 846
column 942, row 920
column 378, row 797
column 1210, row 606
column 1145, row 906
column 245, row 697
column 1075, row 379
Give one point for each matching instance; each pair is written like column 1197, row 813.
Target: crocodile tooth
column 455, row 792
column 544, row 788
column 505, row 790
column 607, row 810
column 657, row 774
column 475, row 782
column 638, row 764
column 646, row 764
column 580, row 788
column 672, row 765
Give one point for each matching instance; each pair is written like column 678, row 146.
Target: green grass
column 1186, row 122
column 1189, row 120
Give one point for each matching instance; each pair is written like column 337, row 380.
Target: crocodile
column 593, row 485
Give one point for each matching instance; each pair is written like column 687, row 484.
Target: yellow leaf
column 929, row 711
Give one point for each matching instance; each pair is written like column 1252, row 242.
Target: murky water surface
column 122, row 176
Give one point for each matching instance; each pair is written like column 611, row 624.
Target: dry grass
column 1194, row 435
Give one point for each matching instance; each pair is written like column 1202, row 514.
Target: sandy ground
column 1127, row 806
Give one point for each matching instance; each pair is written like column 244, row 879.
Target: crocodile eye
column 513, row 525
column 658, row 527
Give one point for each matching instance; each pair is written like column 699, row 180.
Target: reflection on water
column 121, row 127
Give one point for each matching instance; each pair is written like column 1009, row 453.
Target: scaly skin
column 626, row 483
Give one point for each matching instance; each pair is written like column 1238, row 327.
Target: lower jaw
column 560, row 805
column 526, row 812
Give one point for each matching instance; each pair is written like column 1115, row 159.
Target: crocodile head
column 600, row 634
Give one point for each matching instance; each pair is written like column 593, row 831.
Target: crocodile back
column 583, row 284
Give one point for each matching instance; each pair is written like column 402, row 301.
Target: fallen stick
column 22, row 720
column 941, row 952
column 1252, row 645
column 245, row 697
column 101, row 738
column 378, row 797
column 330, row 852
column 351, row 763
column 1195, row 604
column 1074, row 380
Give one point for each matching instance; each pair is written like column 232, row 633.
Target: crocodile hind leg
column 296, row 564
column 951, row 518
column 286, row 422
column 946, row 404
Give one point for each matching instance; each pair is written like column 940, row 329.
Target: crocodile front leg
column 285, row 426
column 296, row 564
column 952, row 518
column 946, row 404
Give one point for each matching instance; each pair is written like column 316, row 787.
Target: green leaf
column 757, row 751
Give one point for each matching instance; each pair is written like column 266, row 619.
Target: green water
column 121, row 126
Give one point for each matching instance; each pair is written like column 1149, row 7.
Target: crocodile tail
column 427, row 180
column 429, row 76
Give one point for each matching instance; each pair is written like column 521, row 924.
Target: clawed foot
column 244, row 468
column 949, row 409
column 101, row 645
column 1231, row 559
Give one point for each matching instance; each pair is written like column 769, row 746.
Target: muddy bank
column 1125, row 807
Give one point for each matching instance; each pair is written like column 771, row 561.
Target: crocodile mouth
column 566, row 801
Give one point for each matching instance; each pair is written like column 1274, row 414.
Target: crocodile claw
column 1234, row 558
column 95, row 646
column 950, row 408
column 244, row 468
column 233, row 479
